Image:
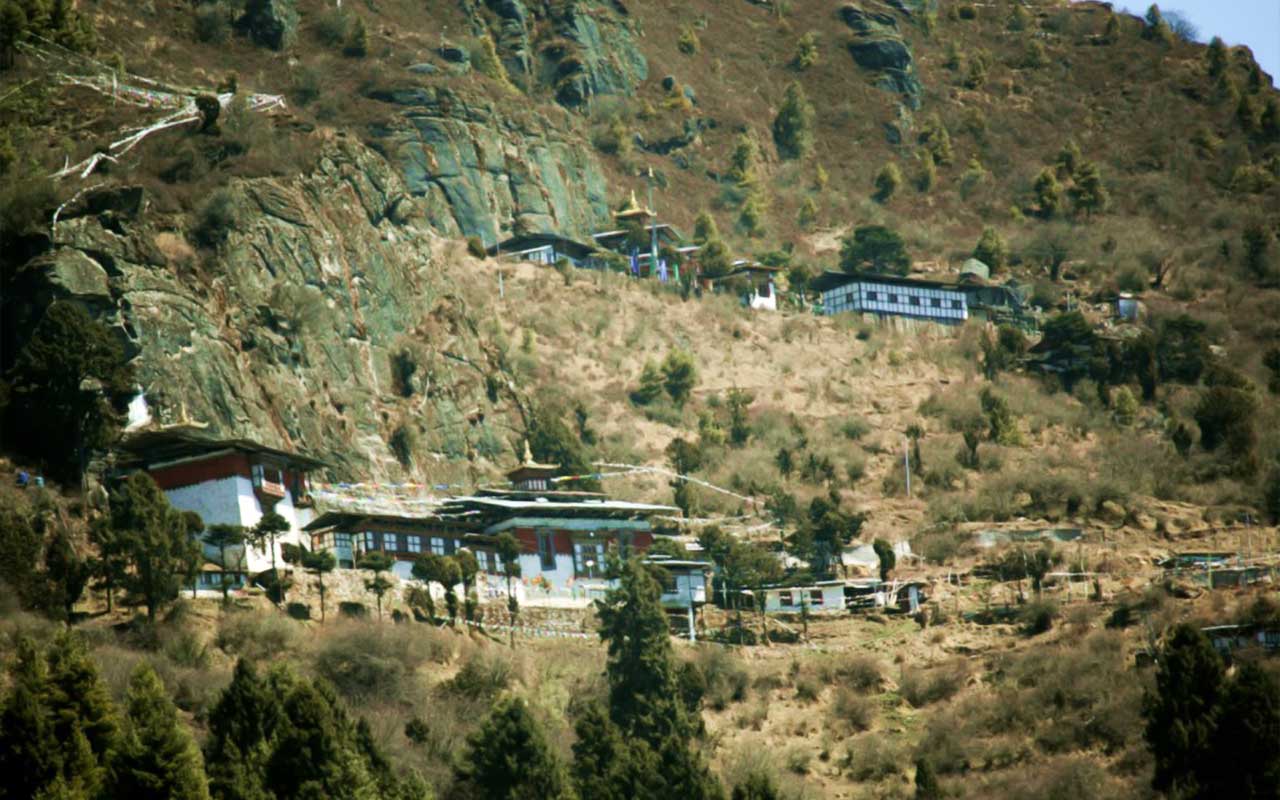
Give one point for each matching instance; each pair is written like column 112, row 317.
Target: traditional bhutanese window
column 588, row 559
column 546, row 553
column 368, row 544
column 413, row 543
column 342, row 540
column 784, row 598
column 390, row 542
column 437, row 545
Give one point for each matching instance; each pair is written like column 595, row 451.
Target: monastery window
column 368, row 544
column 546, row 552
column 437, row 545
column 413, row 543
column 588, row 559
column 390, row 542
column 342, row 540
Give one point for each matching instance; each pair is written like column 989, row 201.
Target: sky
column 1255, row 23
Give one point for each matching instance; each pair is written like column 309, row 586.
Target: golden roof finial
column 528, row 454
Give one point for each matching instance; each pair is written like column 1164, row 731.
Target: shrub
column 853, row 709
column 353, row 610
column 331, row 27
column 679, row 376
column 991, row 249
column 807, row 689
column 256, row 635
column 807, row 51
column 855, row 428
column 299, row 611
column 1038, row 617
column 212, row 25
column 475, row 247
column 726, row 680
column 873, row 757
column 688, row 42
column 366, row 661
column 922, row 687
column 216, row 218
column 862, row 673
column 482, row 676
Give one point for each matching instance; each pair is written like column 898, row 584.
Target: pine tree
column 79, row 701
column 315, row 753
column 31, row 757
column 509, row 758
column 379, row 584
column 926, row 781
column 468, row 568
column 1048, row 192
column 1216, row 57
column 264, row 536
column 157, row 758
column 793, row 127
column 1182, row 713
column 112, row 564
column 887, row 182
column 1245, row 754
column 242, row 725
column 508, row 548
column 66, row 572
column 19, row 554
column 1088, row 194
column 223, row 536
column 645, row 701
column 650, row 387
column 70, row 383
column 357, row 43
column 937, row 140
column 991, row 249
column 1068, row 160
column 743, row 160
column 320, row 563
column 807, row 219
column 928, row 174
column 155, row 539
column 13, row 28
column 679, row 376
column 704, row 228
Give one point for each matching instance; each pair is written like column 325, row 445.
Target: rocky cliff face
column 483, row 173
column 322, row 323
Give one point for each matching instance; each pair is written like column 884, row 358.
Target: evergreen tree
column 739, row 401
column 936, row 139
column 509, row 552
column 13, row 28
column 1182, row 713
column 653, row 753
column 604, row 766
column 807, row 218
column 509, row 759
column 66, row 573
column 650, row 387
column 68, row 389
column 926, row 781
column 112, row 564
column 1048, row 192
column 450, row 576
column 991, row 249
column 19, row 554
column 1068, row 160
column 31, row 756
column 379, row 584
column 264, row 536
column 684, row 457
column 551, row 441
column 1245, row 751
column 887, row 182
column 793, row 127
column 315, row 753
column 155, row 539
column 679, row 376
column 320, row 563
column 468, row 568
column 223, row 536
column 704, row 228
column 875, row 248
column 743, row 160
column 242, row 725
column 157, row 758
column 1216, row 57
column 1088, row 193
column 57, row 723
column 357, row 42
column 927, row 177
column 888, row 558
column 430, row 568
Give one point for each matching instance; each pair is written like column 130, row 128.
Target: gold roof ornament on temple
column 633, row 209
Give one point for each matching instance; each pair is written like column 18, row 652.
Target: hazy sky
column 1255, row 23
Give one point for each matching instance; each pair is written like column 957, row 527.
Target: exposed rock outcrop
column 482, row 173
column 880, row 48
column 292, row 333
